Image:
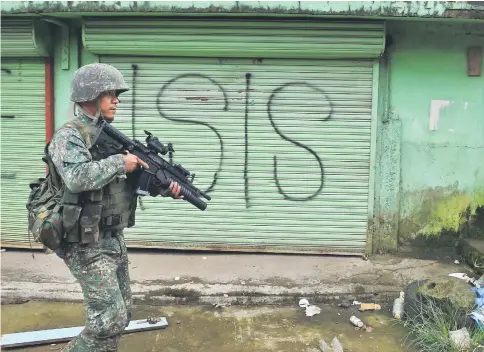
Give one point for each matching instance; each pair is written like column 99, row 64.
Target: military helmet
column 91, row 80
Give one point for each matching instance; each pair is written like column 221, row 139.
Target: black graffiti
column 133, row 115
column 246, row 137
column 296, row 143
column 226, row 103
column 133, row 100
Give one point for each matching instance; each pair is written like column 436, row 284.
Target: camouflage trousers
column 102, row 271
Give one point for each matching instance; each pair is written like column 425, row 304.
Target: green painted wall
column 62, row 77
column 431, row 158
column 78, row 56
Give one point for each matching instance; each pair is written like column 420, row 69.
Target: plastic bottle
column 356, row 322
column 397, row 310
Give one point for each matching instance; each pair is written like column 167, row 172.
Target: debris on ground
column 358, row 323
column 344, row 304
column 310, row 309
column 369, row 306
column 222, row 305
column 356, row 303
column 397, row 310
column 478, row 313
column 466, row 278
column 336, row 346
column 460, row 339
column 151, row 320
column 456, row 262
column 3, row 250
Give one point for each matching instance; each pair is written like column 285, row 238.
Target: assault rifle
column 109, row 141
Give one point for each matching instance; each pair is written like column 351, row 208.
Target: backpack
column 44, row 204
column 44, row 207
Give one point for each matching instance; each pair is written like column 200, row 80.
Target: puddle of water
column 232, row 329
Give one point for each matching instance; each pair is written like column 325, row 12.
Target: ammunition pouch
column 86, row 215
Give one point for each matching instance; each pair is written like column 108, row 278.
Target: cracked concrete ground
column 192, row 277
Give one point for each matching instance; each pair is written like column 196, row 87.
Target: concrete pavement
column 192, row 277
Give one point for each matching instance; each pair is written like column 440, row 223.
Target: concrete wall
column 431, row 140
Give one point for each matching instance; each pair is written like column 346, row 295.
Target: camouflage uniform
column 100, row 267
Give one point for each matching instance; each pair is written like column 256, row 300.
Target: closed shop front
column 22, row 125
column 276, row 119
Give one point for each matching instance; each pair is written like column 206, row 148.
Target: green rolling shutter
column 22, row 142
column 229, row 121
column 24, row 38
column 294, row 39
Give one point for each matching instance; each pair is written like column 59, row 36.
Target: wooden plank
column 41, row 337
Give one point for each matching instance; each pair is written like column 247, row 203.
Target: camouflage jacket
column 75, row 164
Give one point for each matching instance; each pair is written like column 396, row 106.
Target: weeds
column 429, row 329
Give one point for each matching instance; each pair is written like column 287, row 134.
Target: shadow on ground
column 230, row 329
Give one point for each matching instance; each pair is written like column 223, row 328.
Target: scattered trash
column 3, row 250
column 344, row 304
column 470, row 280
column 177, row 278
column 226, row 295
column 356, row 321
column 369, row 306
column 460, row 339
column 456, row 262
column 204, row 258
column 242, row 282
column 303, row 303
column 336, row 346
column 221, row 305
column 478, row 313
column 151, row 320
column 178, row 322
column 397, row 310
column 310, row 309
column 356, row 303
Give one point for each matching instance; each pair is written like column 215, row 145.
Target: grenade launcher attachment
column 109, row 141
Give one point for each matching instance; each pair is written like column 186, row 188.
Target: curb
column 206, row 294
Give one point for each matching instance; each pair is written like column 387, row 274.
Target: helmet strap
column 98, row 109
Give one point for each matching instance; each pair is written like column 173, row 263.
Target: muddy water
column 231, row 329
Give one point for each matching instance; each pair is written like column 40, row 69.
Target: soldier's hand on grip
column 175, row 190
column 132, row 161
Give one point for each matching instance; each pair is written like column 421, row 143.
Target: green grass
column 429, row 330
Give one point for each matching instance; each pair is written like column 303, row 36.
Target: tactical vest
column 89, row 215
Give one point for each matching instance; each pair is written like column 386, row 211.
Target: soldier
column 99, row 202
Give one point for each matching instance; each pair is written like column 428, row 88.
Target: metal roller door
column 22, row 142
column 283, row 146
